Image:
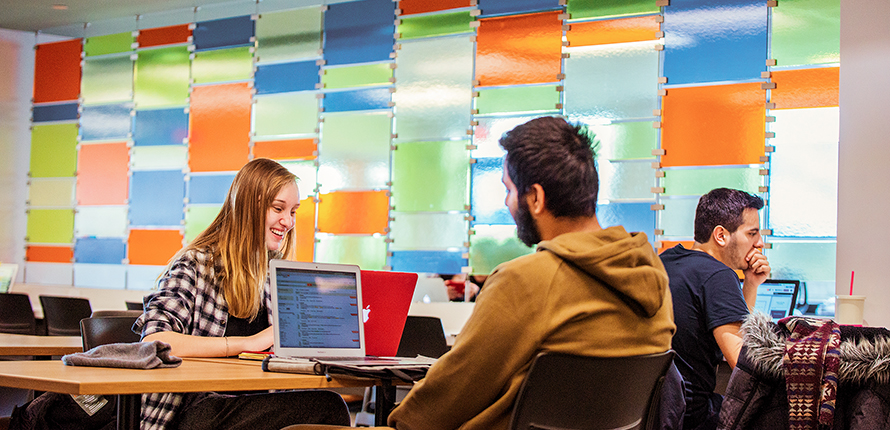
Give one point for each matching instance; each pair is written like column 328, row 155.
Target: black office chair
column 102, row 330
column 134, row 306
column 564, row 391
column 422, row 336
column 16, row 314
column 63, row 314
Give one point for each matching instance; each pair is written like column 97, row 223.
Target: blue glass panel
column 488, row 193
column 359, row 32
column 731, row 35
column 143, row 278
column 286, row 77
column 368, row 99
column 156, row 197
column 428, row 261
column 633, row 216
column 160, row 127
column 209, row 188
column 62, row 112
column 105, row 122
column 223, row 32
column 100, row 251
column 503, row 7
column 111, row 276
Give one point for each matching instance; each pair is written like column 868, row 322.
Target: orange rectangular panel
column 49, row 254
column 219, row 127
column 153, row 247
column 410, row 7
column 713, row 125
column 163, row 35
column 353, row 212
column 806, row 88
column 102, row 174
column 623, row 30
column 292, row 149
column 521, row 49
column 668, row 244
column 57, row 71
column 305, row 230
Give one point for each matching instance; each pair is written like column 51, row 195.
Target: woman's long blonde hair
column 237, row 237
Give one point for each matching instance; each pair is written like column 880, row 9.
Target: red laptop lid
column 386, row 297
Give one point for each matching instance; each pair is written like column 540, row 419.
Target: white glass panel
column 100, row 276
column 49, row 273
column 101, row 221
column 163, row 157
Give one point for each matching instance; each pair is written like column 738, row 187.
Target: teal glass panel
column 608, row 82
column 628, row 180
column 368, row 252
column 162, row 77
column 61, row 220
column 220, row 65
column 354, row 151
column 51, row 192
column 434, row 93
column 806, row 32
column 439, row 24
column 540, row 98
column 428, row 231
column 632, row 140
column 492, row 245
column 431, row 176
column 285, row 114
column 197, row 218
column 53, row 150
column 107, row 79
column 803, row 172
column 307, row 174
column 288, row 35
column 357, row 76
column 161, row 157
column 696, row 182
column 579, row 9
column 805, row 260
column 108, row 44
column 490, row 130
column 678, row 217
column 101, row 221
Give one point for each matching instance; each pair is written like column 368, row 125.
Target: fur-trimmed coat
column 756, row 395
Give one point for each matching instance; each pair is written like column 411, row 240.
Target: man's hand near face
column 758, row 271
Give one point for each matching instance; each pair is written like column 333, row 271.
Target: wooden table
column 23, row 344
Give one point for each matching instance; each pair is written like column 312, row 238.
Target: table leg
column 385, row 401
column 129, row 409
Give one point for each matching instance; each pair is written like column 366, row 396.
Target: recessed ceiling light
column 60, row 7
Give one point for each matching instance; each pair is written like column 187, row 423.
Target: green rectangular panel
column 285, row 114
column 101, row 221
column 357, row 76
column 806, row 32
column 431, row 176
column 368, row 252
column 629, row 180
column 50, row 226
column 623, row 140
column 428, row 231
column 288, row 35
column 540, row 98
column 220, row 65
column 109, row 44
column 805, row 260
column 197, row 218
column 609, row 82
column 440, row 24
column 678, row 217
column 107, row 79
column 53, row 150
column 492, row 245
column 580, row 9
column 354, row 151
column 51, row 192
column 307, row 174
column 161, row 157
column 162, row 77
column 696, row 182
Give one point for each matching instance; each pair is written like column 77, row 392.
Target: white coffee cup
column 849, row 309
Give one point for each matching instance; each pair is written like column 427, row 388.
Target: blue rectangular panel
column 731, row 35
column 105, row 122
column 488, row 193
column 359, row 32
column 160, row 127
column 286, row 77
column 156, row 198
column 100, row 251
column 223, row 32
column 368, row 99
column 62, row 112
column 428, row 261
column 143, row 278
column 110, row 276
column 504, row 7
column 209, row 188
column 633, row 216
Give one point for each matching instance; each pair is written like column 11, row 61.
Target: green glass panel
column 219, row 65
column 431, row 176
column 288, row 35
column 609, row 82
column 285, row 114
column 307, row 174
column 428, row 231
column 696, row 182
column 806, row 32
column 162, row 77
column 579, row 9
column 678, row 217
column 623, row 140
column 109, row 44
column 101, row 221
column 354, row 151
column 492, row 245
column 539, row 98
column 489, row 131
column 107, row 79
column 628, row 180
column 60, row 220
column 368, row 252
column 357, row 76
column 197, row 218
column 805, row 260
column 162, row 157
column 51, row 192
column 435, row 25
column 53, row 150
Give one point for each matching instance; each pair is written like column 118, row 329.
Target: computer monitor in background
column 776, row 298
column 7, row 276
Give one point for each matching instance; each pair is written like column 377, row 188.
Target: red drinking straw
column 852, row 274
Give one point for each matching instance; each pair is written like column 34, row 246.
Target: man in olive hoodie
column 587, row 290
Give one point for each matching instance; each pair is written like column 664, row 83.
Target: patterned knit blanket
column 811, row 364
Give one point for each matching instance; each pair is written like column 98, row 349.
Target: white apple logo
column 365, row 312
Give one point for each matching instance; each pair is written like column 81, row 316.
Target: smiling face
column 281, row 215
column 743, row 240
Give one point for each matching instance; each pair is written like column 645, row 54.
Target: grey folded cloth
column 137, row 355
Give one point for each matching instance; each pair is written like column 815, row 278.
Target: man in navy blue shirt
column 709, row 306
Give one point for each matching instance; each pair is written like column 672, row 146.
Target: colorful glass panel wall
column 287, row 35
column 515, row 50
column 220, row 127
column 57, row 71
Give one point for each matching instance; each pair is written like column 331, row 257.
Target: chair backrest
column 116, row 313
column 16, row 314
column 564, row 391
column 63, row 314
column 134, row 306
column 422, row 336
column 103, row 330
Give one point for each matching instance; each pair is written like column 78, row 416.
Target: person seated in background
column 709, row 306
column 462, row 287
column 586, row 290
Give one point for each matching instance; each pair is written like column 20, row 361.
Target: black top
column 240, row 326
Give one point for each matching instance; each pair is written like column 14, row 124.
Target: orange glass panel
column 806, row 88
column 293, row 149
column 623, row 30
column 102, row 174
column 668, row 244
column 713, row 125
column 153, row 247
column 522, row 49
column 49, row 254
column 353, row 212
column 163, row 35
column 305, row 230
column 57, row 71
column 219, row 132
column 409, row 7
